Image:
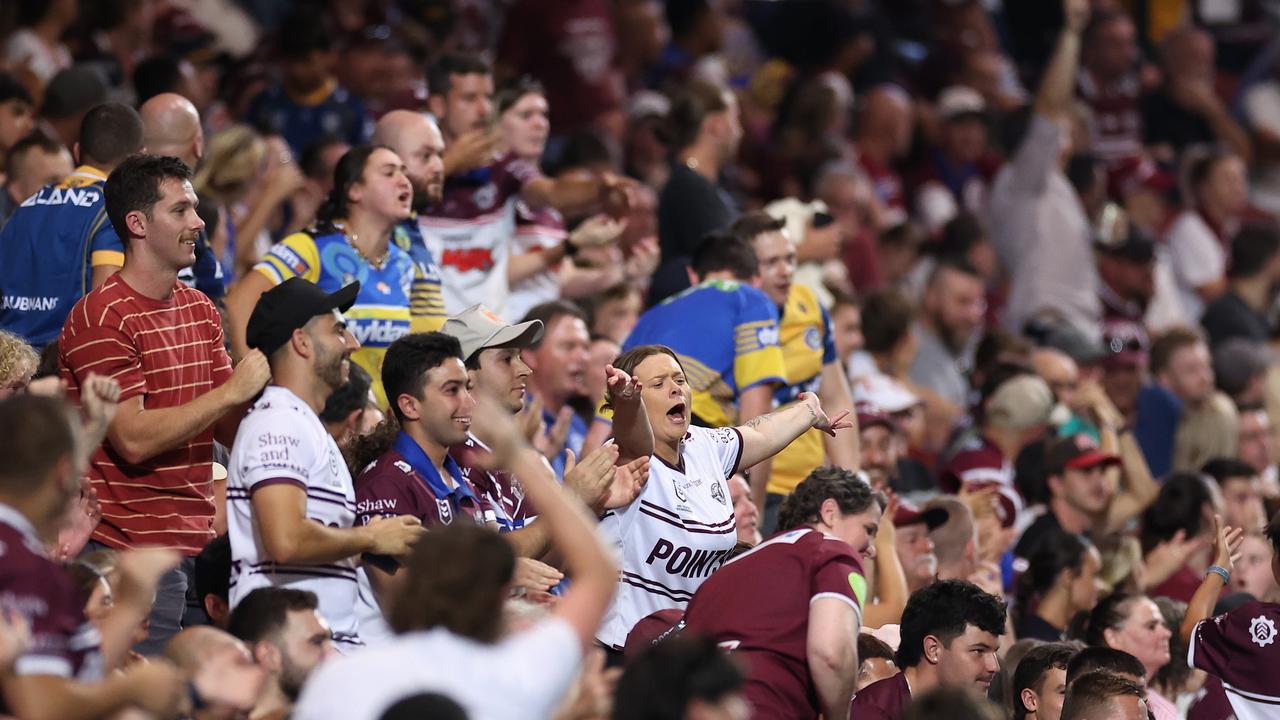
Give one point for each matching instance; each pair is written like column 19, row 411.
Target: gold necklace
column 353, row 238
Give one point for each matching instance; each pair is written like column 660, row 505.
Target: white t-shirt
column 1196, row 257
column 521, row 677
column 676, row 533
column 282, row 440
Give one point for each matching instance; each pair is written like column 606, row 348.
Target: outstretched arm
column 1226, row 552
column 765, row 436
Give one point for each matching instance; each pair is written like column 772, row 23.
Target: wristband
column 1220, row 572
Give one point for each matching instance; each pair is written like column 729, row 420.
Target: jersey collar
column 89, row 172
column 422, row 465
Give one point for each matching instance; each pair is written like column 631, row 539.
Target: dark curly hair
column 943, row 610
column 802, row 506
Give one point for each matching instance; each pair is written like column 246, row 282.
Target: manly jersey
column 404, row 481
column 757, row 607
column 726, row 335
column 1115, row 123
column 676, row 533
column 537, row 230
column 808, row 344
column 469, row 233
column 426, row 302
column 281, row 440
column 383, row 312
column 882, row 700
column 500, row 489
column 63, row 641
column 1241, row 649
column 48, row 250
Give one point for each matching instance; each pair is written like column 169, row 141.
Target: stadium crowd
column 588, row 359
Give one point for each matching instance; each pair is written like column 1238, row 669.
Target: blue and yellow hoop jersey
column 427, row 300
column 48, row 250
column 383, row 311
column 807, row 345
column 726, row 334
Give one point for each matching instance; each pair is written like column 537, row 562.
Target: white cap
column 959, row 100
column 883, row 392
column 796, row 214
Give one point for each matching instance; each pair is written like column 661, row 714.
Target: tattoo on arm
column 759, row 420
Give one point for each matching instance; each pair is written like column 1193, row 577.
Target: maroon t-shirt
column 389, row 486
column 1242, row 648
column 63, row 641
column 881, row 700
column 757, row 606
column 499, row 488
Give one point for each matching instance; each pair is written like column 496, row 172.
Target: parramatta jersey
column 675, row 534
column 808, row 344
column 281, row 440
column 48, row 250
column 384, row 309
column 427, row 299
column 726, row 335
column 469, row 232
column 1242, row 648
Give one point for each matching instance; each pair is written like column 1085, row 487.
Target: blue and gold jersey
column 383, row 311
column 726, row 334
column 48, row 250
column 807, row 345
column 427, row 300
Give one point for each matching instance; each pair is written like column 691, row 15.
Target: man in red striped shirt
column 163, row 343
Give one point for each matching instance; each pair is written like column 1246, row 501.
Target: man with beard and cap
column 291, row 501
column 417, row 140
column 952, row 311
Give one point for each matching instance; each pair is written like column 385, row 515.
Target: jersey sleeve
column 513, row 173
column 273, row 448
column 426, row 301
column 1240, row 648
column 380, row 493
column 757, row 357
column 295, row 256
column 838, row 575
column 726, row 443
column 828, row 338
column 102, row 350
column 105, row 247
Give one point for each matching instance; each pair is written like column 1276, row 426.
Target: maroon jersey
column 887, row 184
column 757, row 605
column 1241, row 649
column 63, row 641
column 396, row 485
column 1115, row 125
column 500, row 489
column 882, row 700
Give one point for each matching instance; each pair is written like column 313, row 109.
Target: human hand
column 1226, row 546
column 1076, row 14
column 469, row 151
column 535, row 576
column 593, row 699
column 100, row 398
column 82, row 520
column 591, row 478
column 551, row 443
column 597, row 230
column 616, row 192
column 249, row 377
column 230, row 680
column 643, row 258
column 820, row 419
column 158, row 687
column 623, row 390
column 395, row 535
column 628, row 482
column 887, row 534
column 1165, row 559
column 15, row 637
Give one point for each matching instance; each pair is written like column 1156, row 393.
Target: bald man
column 171, row 126
column 1063, row 375
column 224, row 676
column 420, row 145
column 884, row 137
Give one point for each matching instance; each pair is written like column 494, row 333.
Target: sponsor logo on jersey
column 767, row 335
column 378, row 333
column 718, row 493
column 1262, row 631
column 287, row 256
column 485, row 196
column 680, row 491
column 27, row 303
column 404, row 467
column 813, row 338
column 685, row 561
column 445, row 510
column 80, row 197
column 858, row 584
column 468, row 259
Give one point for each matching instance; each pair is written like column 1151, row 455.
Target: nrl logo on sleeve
column 1262, row 631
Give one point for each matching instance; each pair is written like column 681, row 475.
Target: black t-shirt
column 1035, row 627
column 1230, row 316
column 1168, row 123
column 689, row 207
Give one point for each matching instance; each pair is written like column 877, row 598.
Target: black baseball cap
column 290, row 305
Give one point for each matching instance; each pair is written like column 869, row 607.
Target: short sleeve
column 273, row 447
column 1240, row 648
column 295, row 256
column 828, row 339
column 757, row 357
column 839, row 576
column 1197, row 257
column 102, row 350
column 726, row 444
column 105, row 247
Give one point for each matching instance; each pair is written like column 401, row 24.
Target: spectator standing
column 1037, row 222
column 958, row 173
column 1185, row 109
column 307, row 102
column 287, row 637
column 1243, row 310
column 154, row 475
column 952, row 312
column 1110, row 85
column 799, row 648
column 37, row 45
column 31, row 163
column 705, row 129
column 1198, row 239
column 292, row 502
column 949, row 636
column 62, row 244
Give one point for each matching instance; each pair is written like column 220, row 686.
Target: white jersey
column 676, row 533
column 282, row 441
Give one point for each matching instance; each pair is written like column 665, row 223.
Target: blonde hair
column 232, row 160
column 18, row 360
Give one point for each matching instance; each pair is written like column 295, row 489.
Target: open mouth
column 676, row 412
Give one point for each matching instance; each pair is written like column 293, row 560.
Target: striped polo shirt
column 170, row 352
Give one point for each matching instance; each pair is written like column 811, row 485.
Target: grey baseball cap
column 477, row 328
